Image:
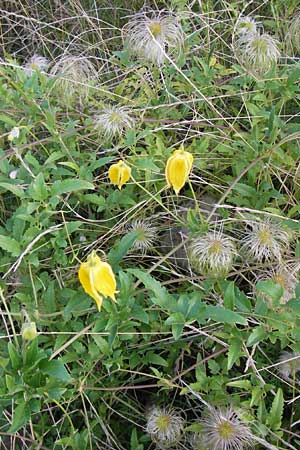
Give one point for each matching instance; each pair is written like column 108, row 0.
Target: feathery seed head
column 266, row 240
column 258, row 52
column 212, row 253
column 113, row 121
column 290, row 364
column 74, row 74
column 223, row 430
column 293, row 35
column 164, row 425
column 147, row 234
column 35, row 63
column 151, row 36
column 246, row 25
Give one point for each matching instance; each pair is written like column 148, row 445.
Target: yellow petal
column 119, row 173
column 103, row 280
column 114, row 174
column 178, row 168
column 84, row 278
column 125, row 175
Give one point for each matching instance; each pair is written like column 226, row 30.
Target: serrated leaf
column 70, row 185
column 10, row 245
column 275, row 415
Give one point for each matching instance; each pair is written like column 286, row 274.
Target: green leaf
column 14, row 357
column 31, row 353
column 229, row 296
column 161, row 296
column 242, row 384
column 12, row 188
column 117, row 253
column 234, row 352
column 220, row 314
column 257, row 335
column 55, row 369
column 102, row 344
column 20, row 417
column 70, row 185
column 38, row 189
column 271, row 289
column 153, row 358
column 275, row 415
column 10, row 245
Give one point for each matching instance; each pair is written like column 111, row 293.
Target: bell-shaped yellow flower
column 178, row 169
column 97, row 279
column 119, row 173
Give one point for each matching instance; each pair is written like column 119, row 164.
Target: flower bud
column 29, row 331
column 178, row 169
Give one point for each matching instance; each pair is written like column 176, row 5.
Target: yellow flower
column 97, row 279
column 119, row 173
column 178, row 168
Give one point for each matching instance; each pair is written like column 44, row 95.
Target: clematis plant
column 97, row 279
column 178, row 169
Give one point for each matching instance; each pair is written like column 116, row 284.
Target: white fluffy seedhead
column 113, row 121
column 74, row 75
column 147, row 234
column 222, row 429
column 258, row 52
column 152, row 36
column 246, row 25
column 164, row 425
column 212, row 253
column 266, row 240
column 35, row 63
column 293, row 34
column 289, row 364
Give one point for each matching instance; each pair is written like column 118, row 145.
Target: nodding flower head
column 113, row 121
column 258, row 52
column 164, row 425
column 212, row 253
column 246, row 25
column 289, row 364
column 73, row 77
column 35, row 63
column 267, row 240
column 146, row 234
column 152, row 36
column 222, row 429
